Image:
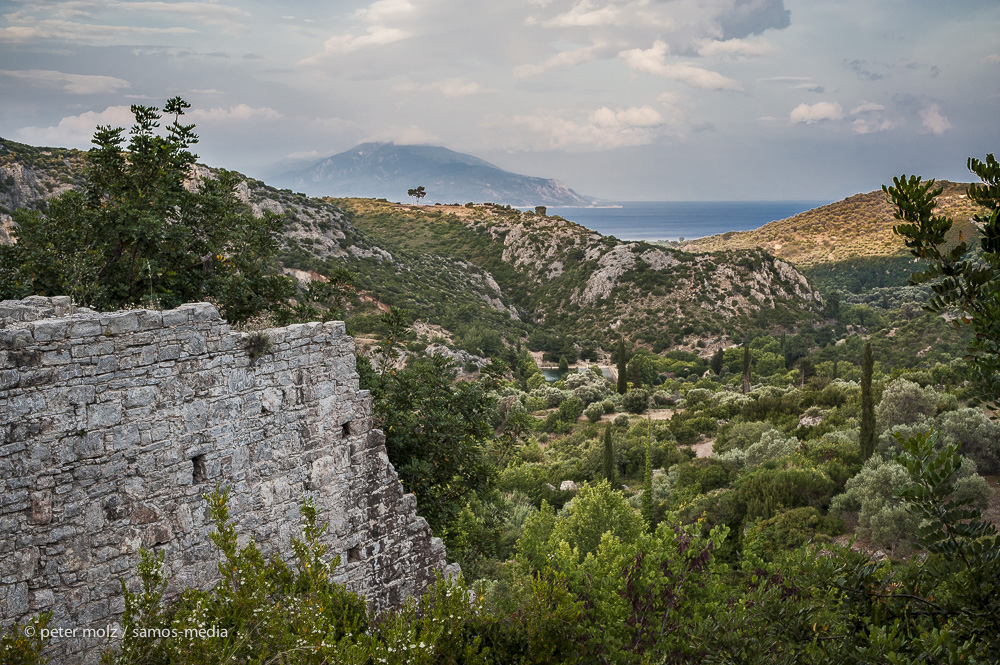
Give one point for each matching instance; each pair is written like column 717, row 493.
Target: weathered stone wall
column 113, row 425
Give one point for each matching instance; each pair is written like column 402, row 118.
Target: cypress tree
column 647, row 479
column 867, row 438
column 718, row 359
column 609, row 456
column 622, row 367
column 746, row 368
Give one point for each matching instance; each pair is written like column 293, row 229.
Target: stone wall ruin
column 113, row 425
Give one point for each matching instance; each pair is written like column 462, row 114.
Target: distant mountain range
column 387, row 170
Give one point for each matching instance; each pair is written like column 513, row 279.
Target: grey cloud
column 860, row 69
column 752, row 17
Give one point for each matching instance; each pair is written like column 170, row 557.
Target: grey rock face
column 113, row 425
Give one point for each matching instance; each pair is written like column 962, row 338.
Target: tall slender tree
column 867, row 437
column 746, row 368
column 647, row 478
column 609, row 456
column 622, row 367
column 718, row 361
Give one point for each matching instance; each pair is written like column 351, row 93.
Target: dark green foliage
column 746, row 369
column 694, row 479
column 716, row 364
column 260, row 609
column 790, row 529
column 860, row 275
column 648, row 512
column 636, row 401
column 642, row 369
column 609, row 467
column 622, row 366
column 258, row 345
column 868, row 436
column 436, row 432
column 962, row 282
column 765, row 492
column 570, row 409
column 134, row 234
column 24, row 644
column 953, row 527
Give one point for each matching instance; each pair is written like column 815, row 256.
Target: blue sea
column 672, row 220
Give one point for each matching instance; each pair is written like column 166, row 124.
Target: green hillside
column 575, row 281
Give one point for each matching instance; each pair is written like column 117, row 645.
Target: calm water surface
column 672, row 220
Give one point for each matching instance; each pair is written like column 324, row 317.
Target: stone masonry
column 113, row 425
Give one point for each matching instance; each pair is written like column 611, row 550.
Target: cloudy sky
column 626, row 99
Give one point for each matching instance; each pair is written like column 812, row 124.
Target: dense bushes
column 789, row 530
column 765, row 492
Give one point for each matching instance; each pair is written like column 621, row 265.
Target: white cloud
column 784, row 79
column 674, row 106
column 451, row 88
column 308, row 154
column 407, row 135
column 225, row 16
column 800, row 82
column 601, row 129
column 563, row 59
column 80, row 21
column 872, row 119
column 77, row 130
column 379, row 11
column 376, row 35
column 75, row 84
column 817, row 112
column 735, row 47
column 871, row 125
column 992, row 58
column 238, row 112
column 653, row 61
column 87, row 33
column 934, row 121
column 867, row 107
column 586, row 14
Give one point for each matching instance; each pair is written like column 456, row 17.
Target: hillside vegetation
column 575, row 281
column 858, row 226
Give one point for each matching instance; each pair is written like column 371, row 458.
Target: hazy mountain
column 387, row 170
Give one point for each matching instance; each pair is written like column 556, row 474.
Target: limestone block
column 41, row 507
column 49, row 330
column 103, row 415
column 120, row 322
column 85, row 328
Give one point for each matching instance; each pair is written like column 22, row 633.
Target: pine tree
column 867, row 438
column 609, row 456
